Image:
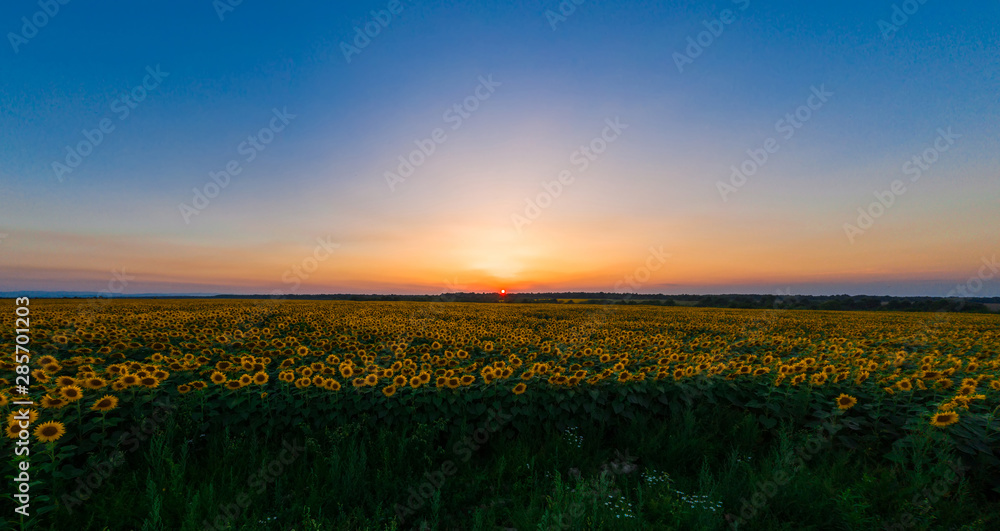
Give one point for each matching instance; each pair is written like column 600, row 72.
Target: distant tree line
column 760, row 302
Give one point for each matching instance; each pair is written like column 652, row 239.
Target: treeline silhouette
column 760, row 302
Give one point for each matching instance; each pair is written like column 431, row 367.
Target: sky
column 427, row 147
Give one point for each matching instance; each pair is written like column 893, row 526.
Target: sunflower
column 13, row 431
column 233, row 384
column 218, row 378
column 846, row 401
column 904, row 385
column 149, row 382
column 371, row 379
column 95, row 383
column 245, row 380
column 798, row 378
column 129, row 380
column 71, row 393
column 333, row 385
column 389, row 390
column 519, row 388
column 49, row 431
column 358, row 382
column 467, row 380
column 53, row 402
column 995, row 385
column 453, row 383
column 948, row 406
column 106, row 403
column 183, row 389
column 944, row 418
column 415, row 382
column 260, row 378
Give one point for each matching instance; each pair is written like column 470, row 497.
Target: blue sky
column 323, row 175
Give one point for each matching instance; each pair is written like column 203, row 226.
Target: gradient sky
column 449, row 225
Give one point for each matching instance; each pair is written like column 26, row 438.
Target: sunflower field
column 903, row 389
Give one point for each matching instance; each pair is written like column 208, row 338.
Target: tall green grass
column 697, row 468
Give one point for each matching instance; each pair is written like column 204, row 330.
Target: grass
column 703, row 467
